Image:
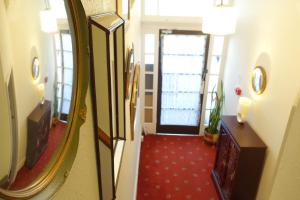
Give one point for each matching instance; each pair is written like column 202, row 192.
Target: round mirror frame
column 58, row 169
column 264, row 80
column 35, row 66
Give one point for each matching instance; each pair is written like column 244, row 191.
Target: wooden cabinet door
column 222, row 157
column 231, row 169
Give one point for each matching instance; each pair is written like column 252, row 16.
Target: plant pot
column 210, row 137
column 54, row 121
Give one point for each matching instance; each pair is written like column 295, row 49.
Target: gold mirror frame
column 264, row 80
column 58, row 169
column 35, row 66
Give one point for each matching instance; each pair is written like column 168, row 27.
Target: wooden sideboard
column 38, row 126
column 239, row 161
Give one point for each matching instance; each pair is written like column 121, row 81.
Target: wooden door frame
column 178, row 129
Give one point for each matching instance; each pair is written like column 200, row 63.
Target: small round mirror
column 259, row 80
column 35, row 68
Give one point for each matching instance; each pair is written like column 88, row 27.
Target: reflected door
column 64, row 70
column 182, row 68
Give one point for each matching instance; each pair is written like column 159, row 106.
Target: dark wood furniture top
column 242, row 133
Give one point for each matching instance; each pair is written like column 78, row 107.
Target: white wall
column 82, row 182
column 268, row 35
column 126, row 189
column 287, row 179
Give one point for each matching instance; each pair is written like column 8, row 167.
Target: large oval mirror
column 41, row 107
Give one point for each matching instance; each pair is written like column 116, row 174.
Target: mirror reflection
column 35, row 89
column 259, row 80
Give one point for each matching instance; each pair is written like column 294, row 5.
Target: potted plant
column 211, row 134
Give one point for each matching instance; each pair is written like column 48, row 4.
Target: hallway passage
column 177, row 168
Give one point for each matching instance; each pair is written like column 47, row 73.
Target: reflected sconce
column 243, row 109
column 41, row 89
column 220, row 20
column 48, row 19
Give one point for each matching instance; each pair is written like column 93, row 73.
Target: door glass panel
column 149, row 81
column 182, row 64
column 149, row 99
column 148, row 115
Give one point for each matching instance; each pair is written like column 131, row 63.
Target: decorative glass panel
column 148, row 115
column 149, row 99
column 149, row 81
column 149, row 67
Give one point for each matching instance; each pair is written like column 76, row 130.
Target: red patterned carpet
column 177, row 168
column 26, row 176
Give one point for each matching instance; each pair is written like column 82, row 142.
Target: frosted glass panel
column 59, row 90
column 68, row 92
column 58, row 59
column 184, row 45
column 149, row 43
column 179, row 117
column 218, row 45
column 58, row 104
column 68, row 59
column 57, row 41
column 207, row 115
column 182, row 66
column 67, row 42
column 213, row 83
column 66, row 106
column 181, row 101
column 209, row 103
column 149, row 59
column 215, row 65
column 59, row 74
column 68, row 76
column 181, row 83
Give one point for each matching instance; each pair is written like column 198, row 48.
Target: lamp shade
column 220, row 20
column 41, row 89
column 48, row 21
column 243, row 109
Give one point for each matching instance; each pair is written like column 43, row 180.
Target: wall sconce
column 220, row 20
column 243, row 109
column 48, row 20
